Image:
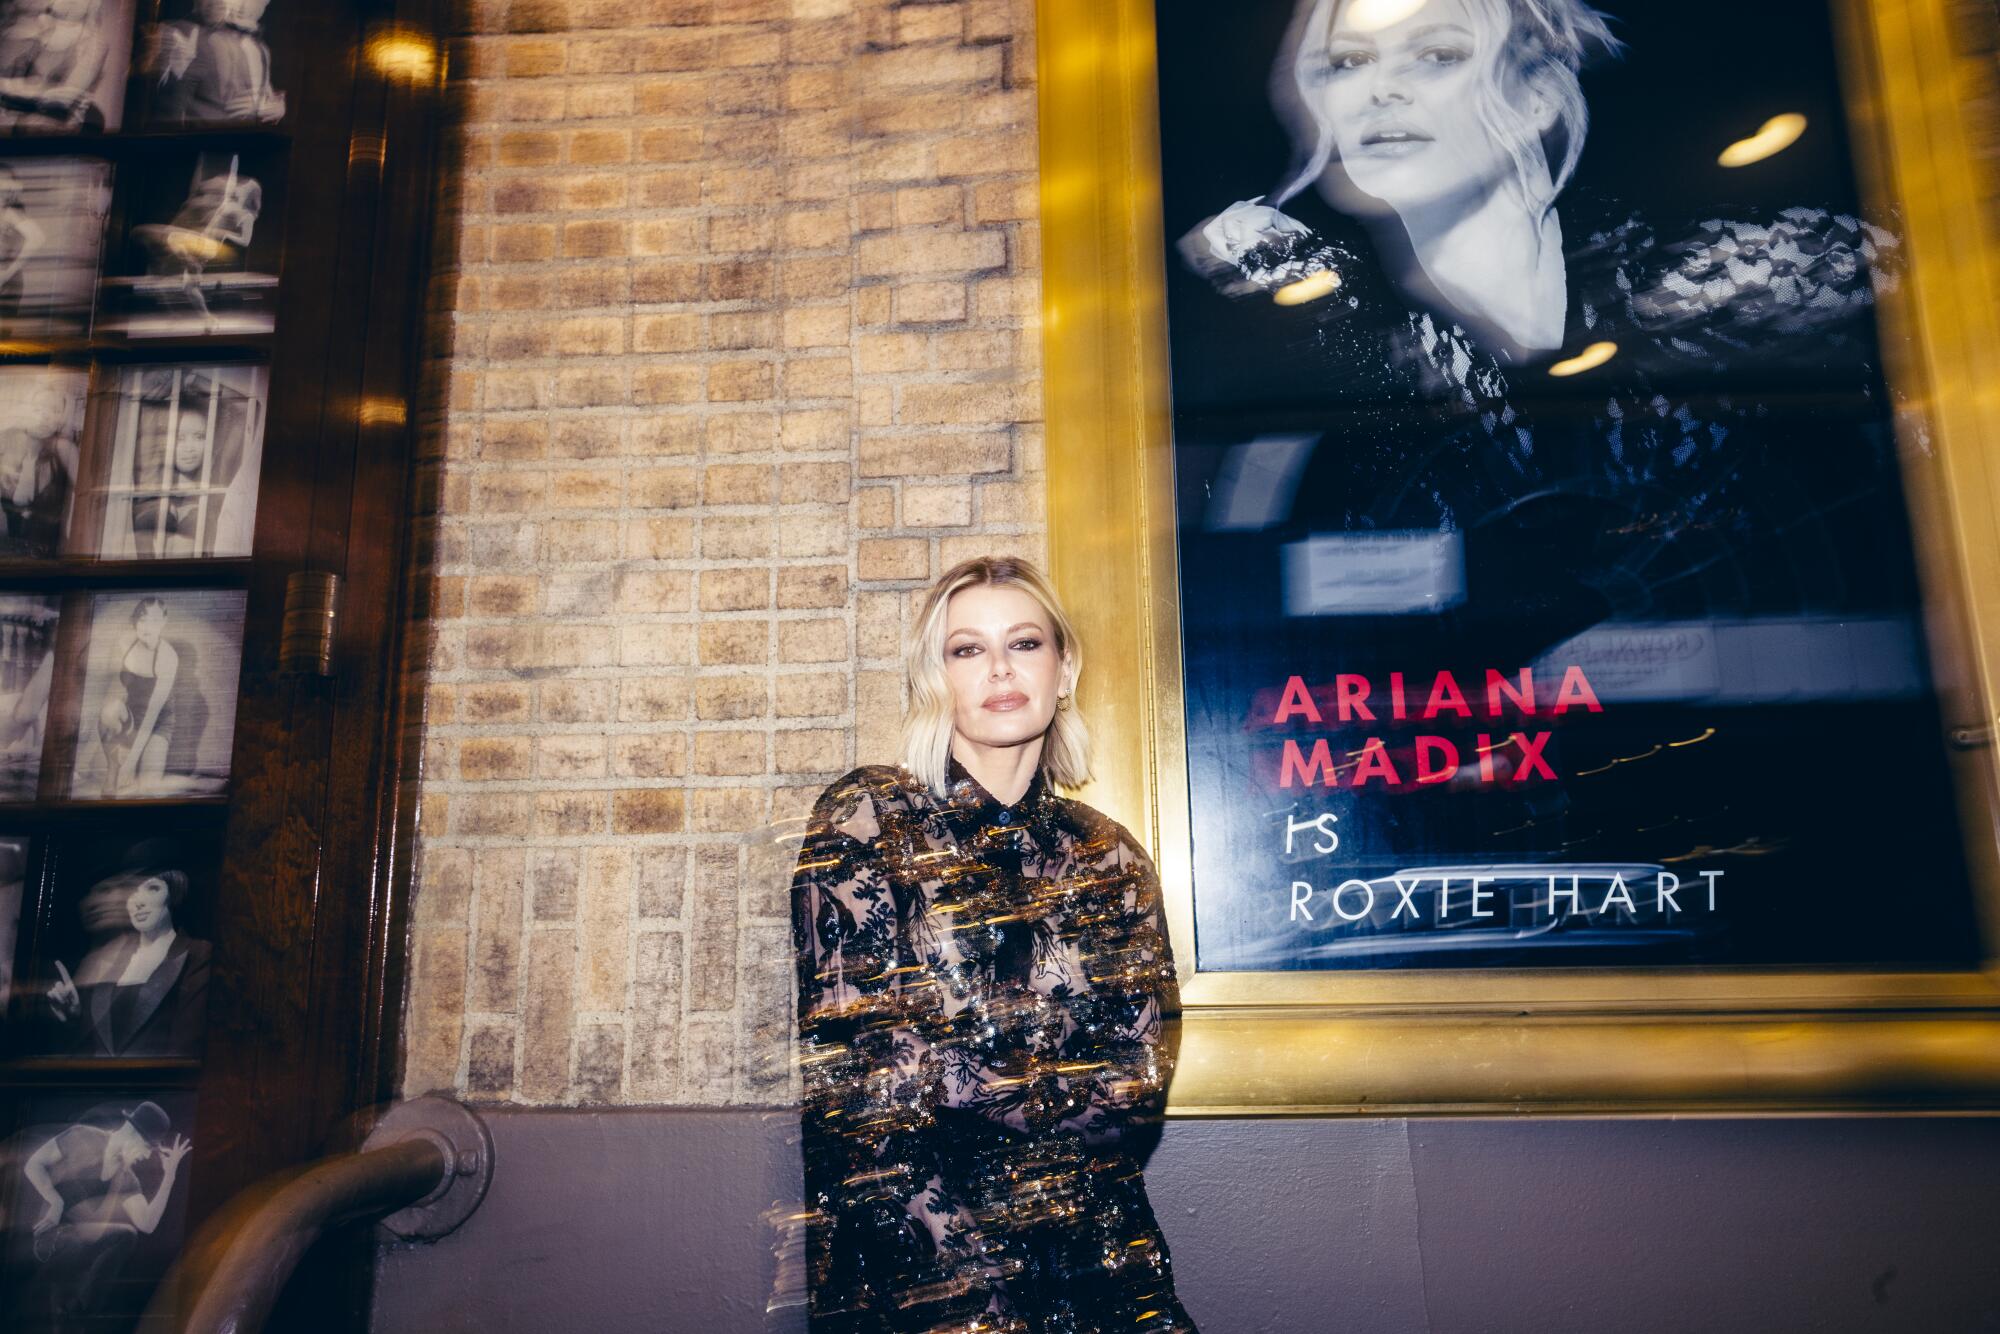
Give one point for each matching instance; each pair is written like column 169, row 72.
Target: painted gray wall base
column 654, row 1221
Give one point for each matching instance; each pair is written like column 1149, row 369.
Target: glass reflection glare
column 1774, row 136
column 402, row 54
column 1375, row 15
column 1309, row 288
column 1587, row 360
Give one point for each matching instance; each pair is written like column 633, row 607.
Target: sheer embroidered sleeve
column 882, row 1222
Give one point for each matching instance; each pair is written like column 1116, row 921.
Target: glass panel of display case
column 51, row 235
column 63, row 65
column 41, row 420
column 95, row 1191
column 194, row 259
column 157, row 712
column 176, row 455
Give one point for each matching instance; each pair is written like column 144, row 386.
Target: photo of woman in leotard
column 136, row 724
column 159, row 698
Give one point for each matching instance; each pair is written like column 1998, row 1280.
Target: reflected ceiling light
column 403, row 53
column 381, row 410
column 1774, row 136
column 1587, row 360
column 1375, row 15
column 1309, row 288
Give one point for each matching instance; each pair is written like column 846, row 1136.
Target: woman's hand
column 171, row 1155
column 1245, row 225
column 63, row 996
column 52, row 1212
column 1250, row 247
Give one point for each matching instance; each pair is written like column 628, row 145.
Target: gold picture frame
column 1465, row 1041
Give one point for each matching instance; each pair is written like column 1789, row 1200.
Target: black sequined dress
column 985, row 1001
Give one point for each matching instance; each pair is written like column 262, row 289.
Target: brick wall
column 739, row 347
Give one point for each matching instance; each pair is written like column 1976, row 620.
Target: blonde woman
column 985, row 989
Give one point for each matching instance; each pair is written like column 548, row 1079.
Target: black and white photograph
column 27, row 670
column 51, row 236
column 181, row 462
column 95, row 1191
column 209, row 63
column 63, row 65
column 1545, row 546
column 158, row 710
column 123, row 962
column 41, row 423
column 195, row 260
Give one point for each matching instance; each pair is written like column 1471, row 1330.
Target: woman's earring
column 1063, row 700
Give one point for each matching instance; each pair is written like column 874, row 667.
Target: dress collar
column 967, row 795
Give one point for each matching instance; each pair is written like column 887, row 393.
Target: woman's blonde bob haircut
column 927, row 727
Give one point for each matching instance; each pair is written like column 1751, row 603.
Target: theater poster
column 1547, row 569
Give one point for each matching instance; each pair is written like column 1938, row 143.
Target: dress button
column 1004, row 818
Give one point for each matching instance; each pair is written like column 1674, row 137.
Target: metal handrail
column 421, row 1173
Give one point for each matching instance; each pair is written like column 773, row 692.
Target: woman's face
column 190, row 442
column 1402, row 102
column 148, row 905
column 46, row 412
column 1000, row 657
column 149, row 625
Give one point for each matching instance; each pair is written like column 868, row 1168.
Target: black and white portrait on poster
column 63, row 64
column 193, row 257
column 95, row 1193
column 180, row 477
column 123, row 968
column 27, row 670
column 158, row 710
column 209, row 63
column 41, row 418
column 1548, row 585
column 51, row 235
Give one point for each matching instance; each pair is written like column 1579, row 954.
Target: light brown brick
column 930, row 251
column 811, row 695
column 719, row 754
column 810, row 751
column 813, row 483
column 893, row 558
column 933, row 455
column 812, row 641
column 722, row 698
column 948, row 505
column 725, row 642
column 648, row 810
column 741, row 381
column 931, row 303
column 569, row 757
column 652, row 699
